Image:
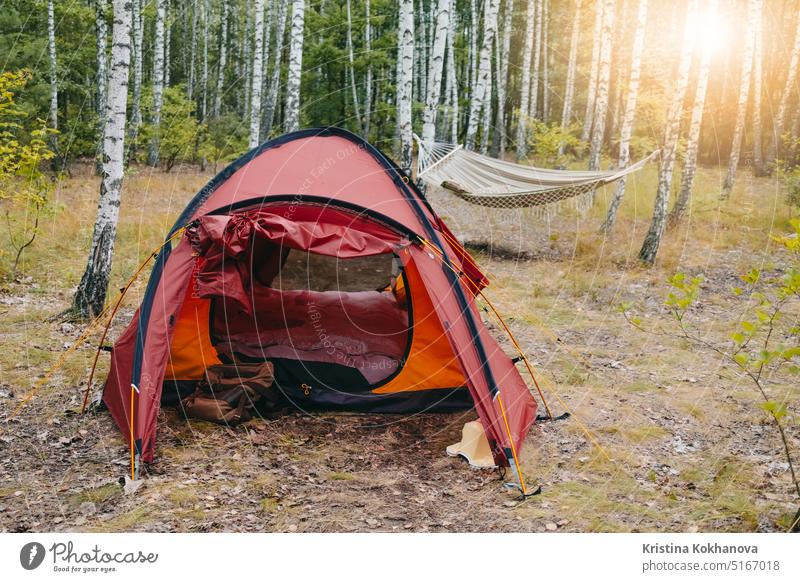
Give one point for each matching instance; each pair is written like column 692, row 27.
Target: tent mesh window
column 319, row 314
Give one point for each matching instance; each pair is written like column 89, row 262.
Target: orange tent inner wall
column 430, row 362
column 191, row 351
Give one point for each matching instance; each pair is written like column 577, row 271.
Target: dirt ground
column 661, row 437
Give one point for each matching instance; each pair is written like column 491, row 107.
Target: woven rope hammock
column 493, row 183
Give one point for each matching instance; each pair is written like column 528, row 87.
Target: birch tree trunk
column 91, row 294
column 436, row 68
column 274, row 84
column 368, row 81
column 452, row 79
column 481, row 96
column 269, row 17
column 591, row 91
column 352, row 70
column 247, row 56
column 502, row 51
column 291, row 120
column 192, row 52
column 405, row 81
column 525, row 91
column 652, row 241
column 753, row 9
column 101, row 28
column 167, row 42
column 533, row 112
column 258, row 70
column 693, row 141
column 137, row 57
column 158, row 83
column 51, row 51
column 545, row 61
column 758, row 55
column 223, row 58
column 569, row 90
column 603, row 79
column 629, row 113
column 473, row 45
column 783, row 106
column 204, row 10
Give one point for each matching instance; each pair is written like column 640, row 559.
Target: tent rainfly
column 394, row 328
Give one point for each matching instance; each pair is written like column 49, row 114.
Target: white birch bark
column 204, row 13
column 603, row 80
column 223, row 58
column 158, row 83
column 525, row 92
column 91, row 293
column 545, row 61
column 368, row 80
column 789, row 87
column 137, row 59
column 533, row 112
column 405, row 81
column 502, row 52
column 652, row 240
column 473, row 45
column 268, row 22
column 480, row 100
column 693, row 140
column 352, row 70
column 591, row 90
column 753, row 9
column 629, row 113
column 569, row 89
column 193, row 52
column 452, row 78
column 247, row 56
column 101, row 79
column 51, row 51
column 167, row 42
column 436, row 68
column 758, row 55
column 258, row 70
column 275, row 81
column 291, row 120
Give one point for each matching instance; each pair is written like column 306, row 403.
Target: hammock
column 494, row 183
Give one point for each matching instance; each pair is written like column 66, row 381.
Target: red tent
column 220, row 287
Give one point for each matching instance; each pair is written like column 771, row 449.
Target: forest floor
column 662, row 436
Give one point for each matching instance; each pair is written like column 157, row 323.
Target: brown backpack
column 230, row 392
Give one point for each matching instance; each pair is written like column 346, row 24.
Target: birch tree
column 480, row 100
column 569, row 89
column 629, row 113
column 693, row 140
column 275, row 81
column 137, row 58
column 368, row 80
column 51, row 52
column 291, row 120
column 158, row 83
column 603, row 79
column 753, row 9
column 758, row 56
column 537, row 58
column 90, row 297
column 502, row 52
column 192, row 51
column 167, row 43
column 258, row 70
column 789, row 87
column 652, row 240
column 352, row 69
column 223, row 58
column 435, row 75
column 591, row 90
column 546, row 61
column 452, row 80
column 101, row 79
column 204, row 10
column 525, row 91
column 405, row 81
